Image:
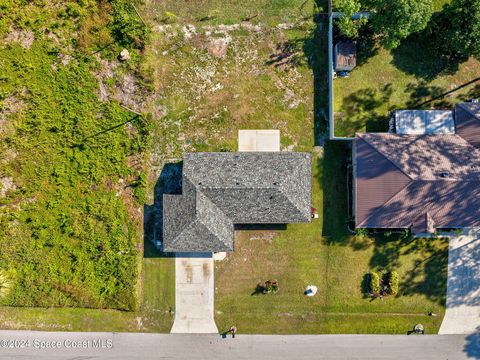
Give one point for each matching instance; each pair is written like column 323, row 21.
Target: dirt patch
column 218, row 46
column 24, row 37
column 10, row 105
column 6, row 185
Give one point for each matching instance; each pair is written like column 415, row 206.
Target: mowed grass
column 322, row 253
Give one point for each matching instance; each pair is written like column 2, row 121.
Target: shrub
column 271, row 286
column 127, row 28
column 169, row 18
column 361, row 233
column 393, row 280
column 374, row 282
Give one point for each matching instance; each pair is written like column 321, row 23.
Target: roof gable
column 467, row 122
column 378, row 178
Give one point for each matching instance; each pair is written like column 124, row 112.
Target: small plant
column 169, row 18
column 405, row 234
column 361, row 233
column 374, row 283
column 268, row 287
column 458, row 232
column 387, row 233
column 393, row 280
column 271, row 286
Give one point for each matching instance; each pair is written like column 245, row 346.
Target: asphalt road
column 83, row 346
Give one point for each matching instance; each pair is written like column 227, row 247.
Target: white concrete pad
column 258, row 140
column 194, row 294
column 421, row 122
column 463, row 286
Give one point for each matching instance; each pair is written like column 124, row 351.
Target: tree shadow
column 416, row 56
column 361, row 110
column 472, row 345
column 386, row 255
column 420, row 54
column 169, row 182
column 365, row 286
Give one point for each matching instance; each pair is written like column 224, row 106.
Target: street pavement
column 82, row 346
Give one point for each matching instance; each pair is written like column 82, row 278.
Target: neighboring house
column 220, row 190
column 422, row 182
column 345, row 56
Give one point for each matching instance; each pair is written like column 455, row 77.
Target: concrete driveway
column 194, row 294
column 463, row 287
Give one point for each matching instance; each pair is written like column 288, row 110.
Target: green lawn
column 324, row 254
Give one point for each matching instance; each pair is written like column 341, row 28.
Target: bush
column 374, row 282
column 361, row 233
column 271, row 286
column 169, row 18
column 127, row 28
column 393, row 280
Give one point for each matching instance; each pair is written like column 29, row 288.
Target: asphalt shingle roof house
column 422, row 182
column 220, row 190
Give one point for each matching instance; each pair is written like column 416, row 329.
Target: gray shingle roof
column 223, row 189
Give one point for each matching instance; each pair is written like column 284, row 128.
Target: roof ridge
column 288, row 177
column 394, row 163
column 468, row 110
column 197, row 220
column 216, row 208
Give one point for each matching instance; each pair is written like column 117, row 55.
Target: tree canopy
column 348, row 26
column 392, row 20
column 457, row 29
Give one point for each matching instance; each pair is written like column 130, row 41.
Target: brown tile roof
column 467, row 122
column 419, row 182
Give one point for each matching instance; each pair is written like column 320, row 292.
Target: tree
column 457, row 29
column 348, row 26
column 394, row 20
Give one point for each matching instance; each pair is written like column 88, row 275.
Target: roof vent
column 445, row 174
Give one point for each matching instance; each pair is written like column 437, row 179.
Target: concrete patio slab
column 258, row 140
column 194, row 294
column 463, row 286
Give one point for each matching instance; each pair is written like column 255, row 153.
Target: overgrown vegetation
column 66, row 227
